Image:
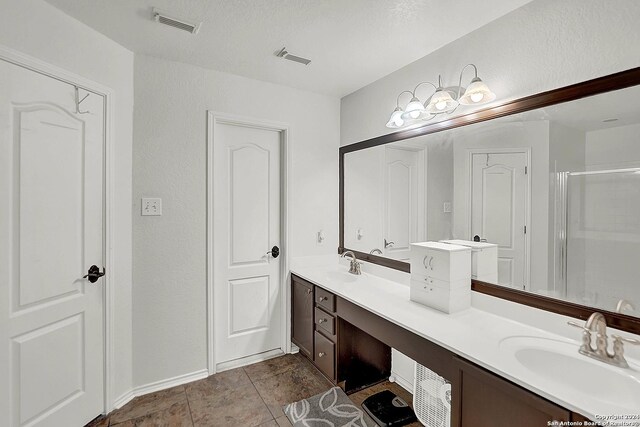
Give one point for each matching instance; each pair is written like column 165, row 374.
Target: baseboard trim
column 403, row 382
column 158, row 386
column 170, row 382
column 243, row 361
column 123, row 400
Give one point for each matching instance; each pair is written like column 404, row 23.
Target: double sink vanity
column 523, row 294
column 500, row 369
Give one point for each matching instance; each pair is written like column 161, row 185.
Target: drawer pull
column 427, row 264
column 322, row 299
column 322, row 354
column 322, row 320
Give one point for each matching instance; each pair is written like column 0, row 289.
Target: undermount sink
column 342, row 276
column 559, row 361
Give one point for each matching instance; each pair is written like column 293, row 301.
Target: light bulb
column 413, row 110
column 477, row 93
column 477, row 97
column 395, row 121
column 441, row 102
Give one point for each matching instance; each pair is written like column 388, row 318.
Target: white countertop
column 474, row 334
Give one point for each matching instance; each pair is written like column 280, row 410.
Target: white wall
column 543, row 45
column 617, row 147
column 39, row 30
column 364, row 199
column 440, row 176
column 172, row 99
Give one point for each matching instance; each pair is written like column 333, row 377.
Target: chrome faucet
column 354, row 268
column 598, row 324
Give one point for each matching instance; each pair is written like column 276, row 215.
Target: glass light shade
column 477, row 93
column 395, row 121
column 441, row 102
column 413, row 110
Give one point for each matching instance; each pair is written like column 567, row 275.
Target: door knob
column 274, row 252
column 94, row 273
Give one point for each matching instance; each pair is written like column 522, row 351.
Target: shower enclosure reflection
column 556, row 189
column 600, row 237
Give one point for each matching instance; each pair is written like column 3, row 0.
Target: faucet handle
column 627, row 340
column 578, row 325
column 585, row 345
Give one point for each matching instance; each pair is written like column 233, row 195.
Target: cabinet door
column 482, row 399
column 302, row 315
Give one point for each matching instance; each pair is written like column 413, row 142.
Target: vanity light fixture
column 445, row 100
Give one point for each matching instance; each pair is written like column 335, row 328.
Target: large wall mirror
column 553, row 181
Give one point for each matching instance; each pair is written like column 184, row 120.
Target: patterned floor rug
column 329, row 409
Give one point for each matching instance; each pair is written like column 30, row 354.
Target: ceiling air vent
column 282, row 53
column 175, row 22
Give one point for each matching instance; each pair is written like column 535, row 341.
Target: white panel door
column 401, row 202
column 498, row 211
column 246, row 216
column 51, row 232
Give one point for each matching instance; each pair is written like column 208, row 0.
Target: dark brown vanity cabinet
column 302, row 315
column 346, row 355
column 352, row 347
column 482, row 399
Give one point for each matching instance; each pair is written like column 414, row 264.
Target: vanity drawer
column 441, row 298
column 325, row 321
column 325, row 355
column 432, row 281
column 325, row 299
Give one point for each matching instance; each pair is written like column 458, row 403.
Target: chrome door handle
column 387, row 244
column 322, row 299
column 308, row 291
column 322, row 354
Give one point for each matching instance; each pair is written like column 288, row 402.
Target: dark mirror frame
column 585, row 89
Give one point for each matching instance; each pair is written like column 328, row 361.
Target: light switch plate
column 151, row 206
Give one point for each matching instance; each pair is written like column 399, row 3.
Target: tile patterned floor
column 244, row 397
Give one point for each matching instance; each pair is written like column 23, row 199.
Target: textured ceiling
column 351, row 42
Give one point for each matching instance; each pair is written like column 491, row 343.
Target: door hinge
column 525, row 229
column 526, row 169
